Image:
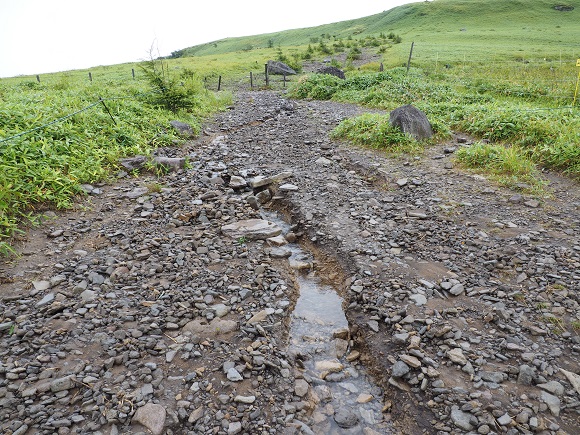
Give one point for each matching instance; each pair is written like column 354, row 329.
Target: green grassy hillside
column 497, row 27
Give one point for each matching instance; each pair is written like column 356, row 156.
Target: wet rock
column 345, row 418
column 301, row 387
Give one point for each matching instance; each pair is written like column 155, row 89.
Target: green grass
column 502, row 71
column 452, row 31
column 44, row 168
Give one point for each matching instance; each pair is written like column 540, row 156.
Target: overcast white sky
column 40, row 36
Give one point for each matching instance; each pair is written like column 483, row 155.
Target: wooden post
column 133, row 72
column 284, row 79
column 381, row 67
column 266, row 71
column 219, row 83
column 90, row 77
column 410, row 55
column 37, row 78
column 251, row 80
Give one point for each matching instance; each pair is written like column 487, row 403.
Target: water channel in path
column 344, row 397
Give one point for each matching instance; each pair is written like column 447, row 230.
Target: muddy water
column 345, row 399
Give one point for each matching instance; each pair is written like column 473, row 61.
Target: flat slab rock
column 252, row 229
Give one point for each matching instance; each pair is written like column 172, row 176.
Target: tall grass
column 45, row 167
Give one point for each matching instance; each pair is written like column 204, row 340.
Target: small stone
column 152, row 416
column 456, row 356
column 234, row 376
column 301, row 387
column 196, row 414
column 234, row 427
column 288, row 187
column 45, row 300
column 553, row 387
column 504, row 420
column 364, row 398
column 461, row 419
column 411, row 361
column 418, row 299
column 245, row 399
column 402, row 182
column 552, row 401
column 329, row 366
column 345, row 418
column 526, row 375
column 457, row 289
column 400, row 369
column 374, row 325
column 41, row 285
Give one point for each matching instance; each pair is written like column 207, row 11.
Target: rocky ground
column 148, row 310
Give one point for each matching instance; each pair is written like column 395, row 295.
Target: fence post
column 37, row 78
column 133, row 72
column 410, row 55
column 251, row 80
column 219, row 83
column 90, row 77
column 284, row 79
column 266, row 71
column 381, row 67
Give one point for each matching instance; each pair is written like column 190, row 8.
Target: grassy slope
column 496, row 27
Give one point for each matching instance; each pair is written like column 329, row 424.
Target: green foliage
column 44, row 168
column 167, row 91
column 375, row 131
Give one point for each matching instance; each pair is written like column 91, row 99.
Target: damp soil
column 382, row 255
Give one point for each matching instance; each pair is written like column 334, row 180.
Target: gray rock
column 134, row 163
column 45, row 300
column 301, row 387
column 280, row 68
column 333, row 71
column 504, row 420
column 183, row 129
column 237, row 182
column 400, row 369
column 234, row 427
column 345, row 418
column 461, row 419
column 152, row 416
column 552, row 401
column 553, row 387
column 412, row 121
column 526, row 375
column 457, row 289
column 234, row 375
column 252, row 229
column 170, row 163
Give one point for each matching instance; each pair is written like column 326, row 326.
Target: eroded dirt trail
column 141, row 313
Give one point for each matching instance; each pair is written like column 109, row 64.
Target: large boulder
column 333, row 71
column 411, row 121
column 280, row 68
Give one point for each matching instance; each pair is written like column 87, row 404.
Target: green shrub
column 375, row 131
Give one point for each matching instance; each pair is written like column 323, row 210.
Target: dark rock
column 345, row 418
column 411, row 121
column 133, row 163
column 280, row 68
column 333, row 71
column 183, row 129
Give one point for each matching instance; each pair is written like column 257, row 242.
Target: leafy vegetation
column 45, row 167
column 503, row 72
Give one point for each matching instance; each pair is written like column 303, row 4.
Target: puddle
column 344, row 397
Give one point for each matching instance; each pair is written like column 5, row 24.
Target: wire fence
column 526, row 76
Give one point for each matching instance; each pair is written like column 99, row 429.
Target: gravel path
column 151, row 311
